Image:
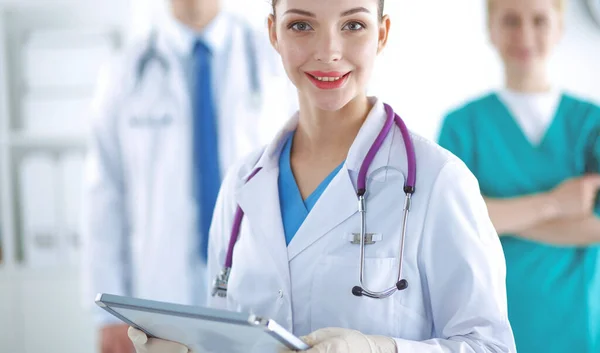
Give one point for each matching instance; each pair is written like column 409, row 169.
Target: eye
column 512, row 21
column 353, row 26
column 541, row 21
column 300, row 26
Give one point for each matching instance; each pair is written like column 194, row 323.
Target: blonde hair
column 561, row 6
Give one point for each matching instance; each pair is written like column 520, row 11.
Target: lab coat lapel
column 265, row 221
column 177, row 91
column 337, row 204
column 339, row 201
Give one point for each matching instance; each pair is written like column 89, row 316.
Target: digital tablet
column 203, row 330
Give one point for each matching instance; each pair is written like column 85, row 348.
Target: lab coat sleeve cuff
column 460, row 344
column 403, row 346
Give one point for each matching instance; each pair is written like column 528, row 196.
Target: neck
column 527, row 82
column 195, row 14
column 328, row 135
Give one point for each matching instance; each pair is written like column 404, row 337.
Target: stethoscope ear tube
column 409, row 189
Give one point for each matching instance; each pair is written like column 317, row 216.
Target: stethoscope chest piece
column 358, row 291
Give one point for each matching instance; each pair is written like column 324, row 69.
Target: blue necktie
column 206, row 151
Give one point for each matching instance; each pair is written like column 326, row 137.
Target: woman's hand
column 339, row 340
column 143, row 344
column 576, row 197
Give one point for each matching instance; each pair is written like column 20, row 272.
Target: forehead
column 326, row 7
column 524, row 6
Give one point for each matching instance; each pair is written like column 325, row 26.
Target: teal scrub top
column 553, row 292
column 294, row 209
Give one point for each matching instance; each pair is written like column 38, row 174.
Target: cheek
column 544, row 42
column 293, row 55
column 506, row 43
column 503, row 38
column 550, row 39
column 368, row 46
column 362, row 52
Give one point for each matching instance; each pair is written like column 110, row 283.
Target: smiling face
column 328, row 48
column 525, row 32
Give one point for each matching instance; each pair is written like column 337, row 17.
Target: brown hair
column 381, row 3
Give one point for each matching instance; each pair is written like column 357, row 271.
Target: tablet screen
column 203, row 336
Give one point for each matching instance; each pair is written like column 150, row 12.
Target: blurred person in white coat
column 176, row 109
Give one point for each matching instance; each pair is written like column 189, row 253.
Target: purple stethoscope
column 220, row 283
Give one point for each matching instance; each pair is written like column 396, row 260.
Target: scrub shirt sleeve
column 596, row 148
column 463, row 268
column 455, row 136
column 589, row 145
column 595, row 156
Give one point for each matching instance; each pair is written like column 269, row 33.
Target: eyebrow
column 300, row 12
column 355, row 10
column 343, row 14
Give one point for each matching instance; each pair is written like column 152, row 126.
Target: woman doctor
column 294, row 260
column 534, row 150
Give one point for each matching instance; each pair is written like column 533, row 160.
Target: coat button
column 280, row 294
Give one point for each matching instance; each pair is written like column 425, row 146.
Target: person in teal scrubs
column 535, row 152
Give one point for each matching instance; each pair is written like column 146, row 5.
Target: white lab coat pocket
column 334, row 305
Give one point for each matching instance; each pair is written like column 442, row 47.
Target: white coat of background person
column 141, row 233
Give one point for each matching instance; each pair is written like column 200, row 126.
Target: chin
column 523, row 65
column 331, row 102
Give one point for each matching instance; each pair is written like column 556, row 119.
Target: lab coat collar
column 270, row 156
column 182, row 38
column 366, row 137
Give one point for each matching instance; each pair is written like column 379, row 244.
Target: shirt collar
column 183, row 38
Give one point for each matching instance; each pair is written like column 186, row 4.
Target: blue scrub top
column 294, row 209
column 553, row 292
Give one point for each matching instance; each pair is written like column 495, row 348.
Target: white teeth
column 327, row 79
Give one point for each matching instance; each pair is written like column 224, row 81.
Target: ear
column 272, row 26
column 384, row 31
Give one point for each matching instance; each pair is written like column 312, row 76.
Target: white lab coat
column 140, row 228
column 453, row 261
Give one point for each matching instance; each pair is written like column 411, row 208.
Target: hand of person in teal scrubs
column 576, row 197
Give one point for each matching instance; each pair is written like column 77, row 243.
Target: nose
column 527, row 34
column 328, row 47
